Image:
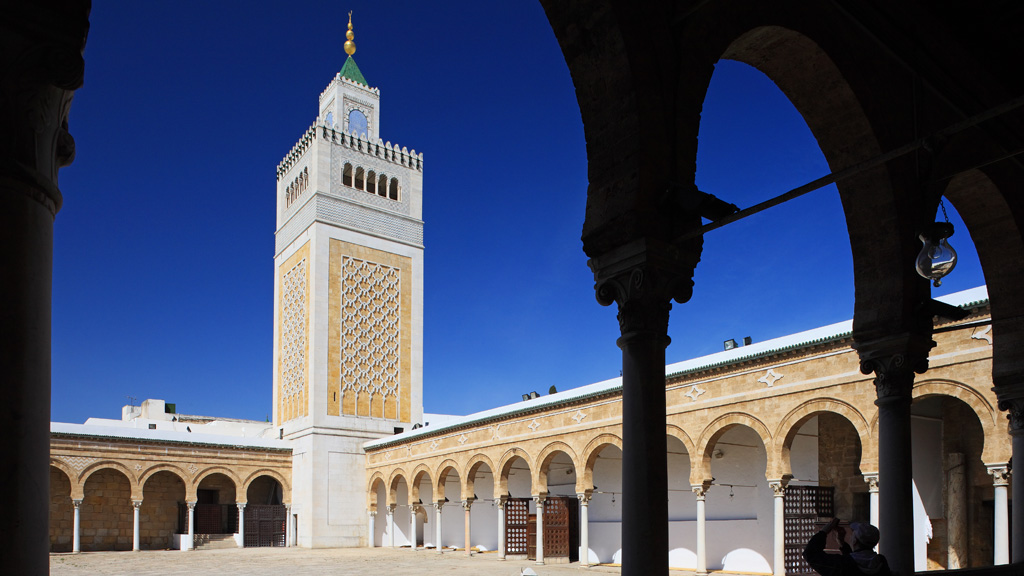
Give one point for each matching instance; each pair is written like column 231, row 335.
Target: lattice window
column 370, row 337
column 293, row 337
column 517, row 513
column 806, row 509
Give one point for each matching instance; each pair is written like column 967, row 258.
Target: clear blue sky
column 163, row 251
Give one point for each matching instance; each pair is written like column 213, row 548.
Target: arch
column 469, row 485
column 77, row 485
column 547, row 454
column 163, row 467
column 382, row 186
column 988, row 417
column 347, row 174
column 441, row 477
column 585, row 480
column 132, row 480
column 787, row 430
column 418, row 473
column 680, row 434
column 192, row 493
column 700, row 462
column 359, row 183
column 286, row 488
column 376, row 480
column 393, row 189
column 505, row 466
column 371, row 182
column 397, row 475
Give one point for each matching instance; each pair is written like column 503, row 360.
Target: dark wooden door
column 265, row 525
column 517, row 512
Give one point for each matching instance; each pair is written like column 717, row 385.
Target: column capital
column 872, row 481
column 500, row 501
column 700, row 490
column 778, row 487
column 438, row 505
column 76, row 502
column 894, row 360
column 584, row 497
column 539, row 499
column 190, row 503
column 136, row 504
column 1000, row 475
column 391, row 508
column 467, row 504
column 1011, row 401
column 241, row 505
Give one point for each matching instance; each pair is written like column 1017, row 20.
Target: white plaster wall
column 381, row 519
column 804, row 454
column 453, row 528
column 484, row 525
column 929, row 476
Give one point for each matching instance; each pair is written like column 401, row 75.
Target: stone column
column 872, row 480
column 438, row 507
column 136, row 504
column 466, row 505
column 371, row 518
column 190, row 544
column 412, row 526
column 1011, row 399
column 700, row 490
column 391, row 525
column 584, row 529
column 76, row 534
column 894, row 361
column 956, row 512
column 540, row 528
column 642, row 277
column 501, row 526
column 1001, row 533
column 241, row 524
column 779, row 561
column 41, row 60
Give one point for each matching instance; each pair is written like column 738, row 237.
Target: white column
column 779, row 563
column 1001, row 544
column 241, row 524
column 412, row 526
column 372, row 515
column 467, row 504
column 438, row 506
column 391, row 525
column 540, row 528
column 872, row 480
column 501, row 526
column 584, row 529
column 76, row 535
column 699, row 491
column 289, row 529
column 136, row 504
column 190, row 544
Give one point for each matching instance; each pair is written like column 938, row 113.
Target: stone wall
column 106, row 512
column 62, row 512
column 158, row 517
column 262, row 491
column 839, row 452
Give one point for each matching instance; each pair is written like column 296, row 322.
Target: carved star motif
column 463, row 439
column 387, row 455
column 694, row 392
column 434, row 445
column 983, row 335
column 534, row 425
column 138, row 467
column 579, row 416
column 770, row 377
column 497, row 429
column 192, row 468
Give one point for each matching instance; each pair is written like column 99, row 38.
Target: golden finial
column 350, row 46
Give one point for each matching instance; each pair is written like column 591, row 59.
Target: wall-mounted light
column 937, row 257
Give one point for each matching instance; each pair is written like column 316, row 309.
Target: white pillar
column 872, row 480
column 501, row 526
column 190, row 544
column 412, row 526
column 584, row 529
column 779, row 562
column 699, row 491
column 1001, row 544
column 438, row 506
column 467, row 504
column 76, row 535
column 540, row 528
column 289, row 529
column 136, row 504
column 391, row 525
column 372, row 515
column 241, row 524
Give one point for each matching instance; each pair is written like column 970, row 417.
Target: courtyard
column 300, row 562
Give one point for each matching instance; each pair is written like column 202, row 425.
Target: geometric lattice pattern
column 293, row 337
column 371, row 335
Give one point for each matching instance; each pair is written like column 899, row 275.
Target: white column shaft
column 584, row 531
column 135, row 525
column 241, row 525
column 76, row 535
column 702, row 551
column 412, row 526
column 501, row 529
column 437, row 518
column 540, row 531
column 191, row 542
column 371, row 531
column 1001, row 545
column 289, row 528
column 779, row 567
column 469, row 526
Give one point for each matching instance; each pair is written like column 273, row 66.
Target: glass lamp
column 937, row 257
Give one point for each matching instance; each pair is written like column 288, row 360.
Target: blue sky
column 163, row 251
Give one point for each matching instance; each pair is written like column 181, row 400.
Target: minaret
column 348, row 318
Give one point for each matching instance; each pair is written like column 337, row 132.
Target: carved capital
column 778, row 487
column 539, row 501
column 584, row 497
column 1000, row 475
column 191, row 505
column 76, row 503
column 501, row 500
column 1013, row 405
column 700, row 490
column 42, row 66
column 438, row 505
column 467, row 504
column 136, row 504
column 872, row 481
column 391, row 509
column 643, row 277
column 894, row 361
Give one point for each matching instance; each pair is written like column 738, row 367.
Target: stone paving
column 301, row 562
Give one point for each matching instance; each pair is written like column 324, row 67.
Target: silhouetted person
column 860, row 561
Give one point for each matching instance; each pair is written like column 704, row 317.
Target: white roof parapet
column 967, row 298
column 379, row 149
column 146, row 434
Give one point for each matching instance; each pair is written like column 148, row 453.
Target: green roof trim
column 351, row 71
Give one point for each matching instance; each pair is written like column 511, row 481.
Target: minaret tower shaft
column 348, row 318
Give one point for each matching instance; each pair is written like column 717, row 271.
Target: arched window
column 357, row 124
column 382, row 186
column 360, row 179
column 346, row 175
column 330, row 119
column 393, row 190
column 371, row 182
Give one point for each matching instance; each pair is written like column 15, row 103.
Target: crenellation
column 297, row 151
